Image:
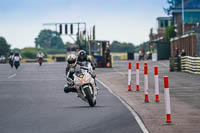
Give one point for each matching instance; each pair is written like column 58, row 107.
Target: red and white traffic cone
column 146, row 99
column 167, row 100
column 137, row 76
column 129, row 76
column 156, row 82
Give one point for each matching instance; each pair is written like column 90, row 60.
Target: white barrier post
column 167, row 100
column 129, row 76
column 137, row 77
column 146, row 100
column 156, row 82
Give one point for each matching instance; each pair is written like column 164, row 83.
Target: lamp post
column 183, row 16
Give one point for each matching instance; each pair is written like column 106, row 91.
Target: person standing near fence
column 183, row 53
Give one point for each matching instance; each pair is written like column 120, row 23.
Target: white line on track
column 135, row 115
column 12, row 76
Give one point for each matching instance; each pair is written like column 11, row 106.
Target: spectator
column 183, row 52
column 176, row 52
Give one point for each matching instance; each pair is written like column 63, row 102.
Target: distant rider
column 40, row 56
column 11, row 57
column 17, row 58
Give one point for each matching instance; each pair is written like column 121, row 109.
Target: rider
column 70, row 70
column 40, row 56
column 82, row 57
column 11, row 57
column 17, row 58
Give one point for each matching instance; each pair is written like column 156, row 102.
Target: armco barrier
column 190, row 64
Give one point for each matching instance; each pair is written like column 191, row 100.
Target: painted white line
column 11, row 76
column 135, row 115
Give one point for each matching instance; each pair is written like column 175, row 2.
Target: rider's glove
column 70, row 82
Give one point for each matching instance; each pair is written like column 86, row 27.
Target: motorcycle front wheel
column 16, row 66
column 89, row 97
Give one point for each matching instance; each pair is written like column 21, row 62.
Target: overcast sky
column 122, row 20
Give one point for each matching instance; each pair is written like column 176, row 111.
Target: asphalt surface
column 32, row 101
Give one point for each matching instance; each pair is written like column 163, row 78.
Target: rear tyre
column 89, row 97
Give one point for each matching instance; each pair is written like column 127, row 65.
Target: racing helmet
column 82, row 55
column 71, row 60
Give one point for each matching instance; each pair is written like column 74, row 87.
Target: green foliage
column 142, row 46
column 122, row 47
column 16, row 50
column 68, row 43
column 170, row 33
column 56, row 51
column 29, row 52
column 4, row 46
column 172, row 4
column 48, row 39
column 43, row 51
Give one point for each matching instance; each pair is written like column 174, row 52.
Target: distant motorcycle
column 40, row 60
column 16, row 61
column 85, row 86
column 11, row 62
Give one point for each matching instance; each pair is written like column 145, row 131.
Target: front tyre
column 89, row 97
column 16, row 66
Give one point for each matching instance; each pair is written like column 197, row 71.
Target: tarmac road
column 32, row 101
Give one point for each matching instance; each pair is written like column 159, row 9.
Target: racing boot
column 68, row 89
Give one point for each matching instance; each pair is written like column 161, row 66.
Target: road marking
column 135, row 115
column 11, row 76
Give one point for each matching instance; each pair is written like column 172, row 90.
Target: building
column 157, row 43
column 189, row 39
column 163, row 23
column 191, row 15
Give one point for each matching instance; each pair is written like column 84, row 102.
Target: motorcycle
column 85, row 85
column 40, row 61
column 11, row 62
column 16, row 61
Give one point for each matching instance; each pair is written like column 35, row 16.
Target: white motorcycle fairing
column 85, row 85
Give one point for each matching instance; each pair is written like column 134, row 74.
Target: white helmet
column 72, row 60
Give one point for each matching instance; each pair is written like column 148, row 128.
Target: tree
column 170, row 33
column 172, row 4
column 4, row 46
column 31, row 53
column 15, row 50
column 122, row 47
column 143, row 46
column 48, row 39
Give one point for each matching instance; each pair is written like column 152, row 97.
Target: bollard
column 167, row 100
column 137, row 76
column 129, row 76
column 146, row 100
column 156, row 82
